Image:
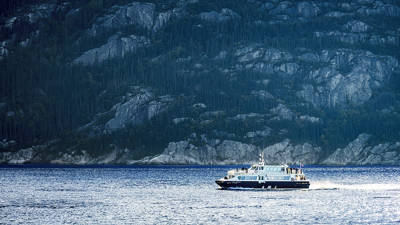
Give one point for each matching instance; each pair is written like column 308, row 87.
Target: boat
column 265, row 176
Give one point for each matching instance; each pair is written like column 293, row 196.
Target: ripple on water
column 188, row 195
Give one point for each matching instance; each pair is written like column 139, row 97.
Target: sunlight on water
column 189, row 195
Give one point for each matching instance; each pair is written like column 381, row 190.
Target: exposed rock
column 275, row 55
column 250, row 55
column 311, row 119
column 282, row 112
column 358, row 38
column 7, row 144
column 247, row 116
column 357, row 26
column 223, row 16
column 337, row 14
column 233, row 152
column 301, row 9
column 346, row 6
column 32, row 14
column 359, row 153
column 227, row 152
column 177, row 121
column 116, row 46
column 367, row 72
column 380, row 8
column 259, row 133
column 221, row 55
column 212, row 114
column 73, row 158
column 365, row 2
column 262, row 94
column 287, row 68
column 236, row 152
column 183, row 3
column 263, row 68
column 223, row 134
column 263, row 60
column 138, row 109
column 22, row 156
column 349, row 38
column 267, row 6
column 285, row 152
column 243, row 50
column 40, row 11
column 264, row 82
column 82, row 157
column 307, row 9
column 140, row 14
column 284, row 7
column 383, row 40
column 199, row 106
column 161, row 20
column 181, row 152
column 350, row 152
column 10, row 22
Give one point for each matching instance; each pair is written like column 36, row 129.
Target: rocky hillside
column 200, row 82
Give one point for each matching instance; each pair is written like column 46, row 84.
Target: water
column 188, row 195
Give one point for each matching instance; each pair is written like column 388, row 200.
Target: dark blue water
column 188, row 195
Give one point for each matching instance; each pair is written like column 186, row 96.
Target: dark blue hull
column 268, row 184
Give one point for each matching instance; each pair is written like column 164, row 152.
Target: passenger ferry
column 265, row 176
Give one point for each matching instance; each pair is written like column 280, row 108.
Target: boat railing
column 241, row 169
column 294, row 171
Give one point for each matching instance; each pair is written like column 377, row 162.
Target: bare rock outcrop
column 359, row 152
column 350, row 78
column 137, row 109
column 222, row 16
column 234, row 152
column 116, row 46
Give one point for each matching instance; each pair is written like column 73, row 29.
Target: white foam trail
column 323, row 185
column 327, row 185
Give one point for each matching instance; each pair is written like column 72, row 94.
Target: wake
column 327, row 185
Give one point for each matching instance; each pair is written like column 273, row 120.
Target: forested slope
column 199, row 82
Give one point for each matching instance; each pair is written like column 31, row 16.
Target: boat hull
column 268, row 184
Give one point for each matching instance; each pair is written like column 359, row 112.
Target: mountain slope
column 203, row 82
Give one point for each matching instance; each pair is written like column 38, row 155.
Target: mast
column 262, row 162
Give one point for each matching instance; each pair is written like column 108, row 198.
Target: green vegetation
column 51, row 98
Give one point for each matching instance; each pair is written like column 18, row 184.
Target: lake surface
column 188, row 195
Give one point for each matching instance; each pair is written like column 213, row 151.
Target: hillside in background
column 200, row 82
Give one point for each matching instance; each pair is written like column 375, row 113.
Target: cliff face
column 200, row 82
